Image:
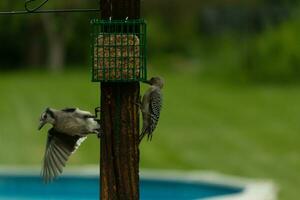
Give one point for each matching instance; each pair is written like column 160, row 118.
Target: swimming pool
column 30, row 187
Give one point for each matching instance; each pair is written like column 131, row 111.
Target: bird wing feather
column 58, row 149
column 69, row 110
column 83, row 114
column 77, row 112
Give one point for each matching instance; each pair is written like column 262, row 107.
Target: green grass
column 243, row 130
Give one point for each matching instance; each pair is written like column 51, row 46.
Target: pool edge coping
column 257, row 189
column 253, row 189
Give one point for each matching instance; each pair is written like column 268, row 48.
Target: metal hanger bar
column 28, row 2
column 47, row 11
column 33, row 10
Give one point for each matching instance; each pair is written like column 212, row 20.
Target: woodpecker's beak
column 147, row 81
column 42, row 123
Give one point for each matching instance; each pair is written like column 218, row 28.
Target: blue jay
column 70, row 128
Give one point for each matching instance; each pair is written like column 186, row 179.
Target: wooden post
column 119, row 161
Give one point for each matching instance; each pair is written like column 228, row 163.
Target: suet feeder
column 118, row 50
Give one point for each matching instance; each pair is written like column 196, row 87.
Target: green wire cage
column 118, row 50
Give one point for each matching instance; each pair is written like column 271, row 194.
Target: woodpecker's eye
column 44, row 116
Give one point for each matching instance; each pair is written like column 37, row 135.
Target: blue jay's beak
column 42, row 123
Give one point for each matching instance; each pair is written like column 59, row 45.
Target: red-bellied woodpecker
column 70, row 128
column 150, row 106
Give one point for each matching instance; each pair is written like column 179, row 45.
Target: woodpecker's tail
column 142, row 135
column 145, row 132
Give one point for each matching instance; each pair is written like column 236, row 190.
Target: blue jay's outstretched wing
column 58, row 149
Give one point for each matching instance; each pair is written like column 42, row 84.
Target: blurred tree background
column 241, row 40
column 51, row 40
column 232, row 69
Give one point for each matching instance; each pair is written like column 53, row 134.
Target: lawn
column 238, row 129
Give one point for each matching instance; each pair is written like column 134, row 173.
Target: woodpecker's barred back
column 151, row 106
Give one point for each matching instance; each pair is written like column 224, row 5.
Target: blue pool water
column 87, row 188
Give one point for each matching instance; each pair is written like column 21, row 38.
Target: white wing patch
column 78, row 143
column 82, row 112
